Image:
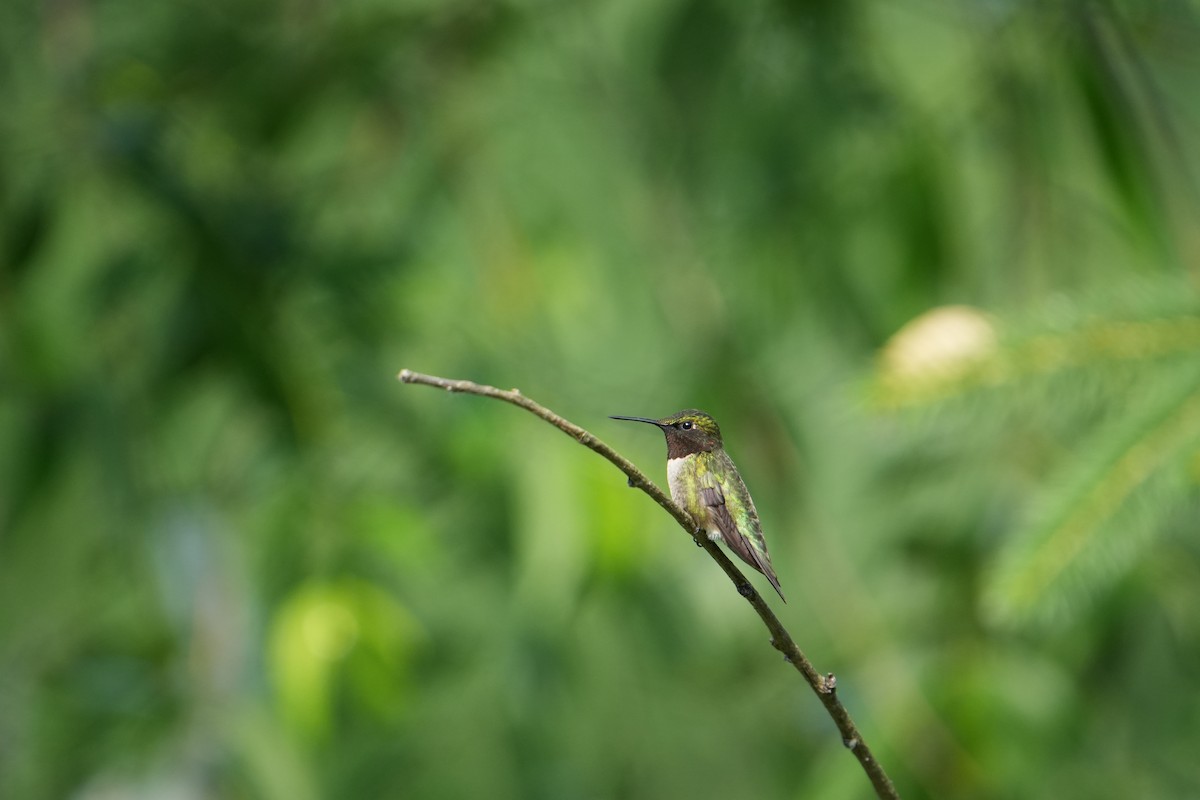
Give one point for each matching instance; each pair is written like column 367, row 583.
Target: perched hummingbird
column 706, row 484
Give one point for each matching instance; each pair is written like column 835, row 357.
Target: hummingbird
column 706, row 484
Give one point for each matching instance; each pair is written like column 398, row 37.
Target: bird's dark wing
column 718, row 511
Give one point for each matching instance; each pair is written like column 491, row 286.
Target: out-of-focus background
column 932, row 266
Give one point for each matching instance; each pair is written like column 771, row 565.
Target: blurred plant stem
column 825, row 687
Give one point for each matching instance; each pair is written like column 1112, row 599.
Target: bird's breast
column 684, row 479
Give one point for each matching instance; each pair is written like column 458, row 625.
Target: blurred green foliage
column 238, row 560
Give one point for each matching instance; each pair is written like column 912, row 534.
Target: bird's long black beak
column 647, row 420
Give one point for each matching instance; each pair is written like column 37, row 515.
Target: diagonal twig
column 825, row 686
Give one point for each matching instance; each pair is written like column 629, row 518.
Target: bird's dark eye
column 686, row 424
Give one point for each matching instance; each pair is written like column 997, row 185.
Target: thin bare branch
column 825, row 686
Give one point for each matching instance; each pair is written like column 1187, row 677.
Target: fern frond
column 1091, row 525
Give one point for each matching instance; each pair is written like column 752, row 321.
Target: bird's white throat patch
column 674, row 465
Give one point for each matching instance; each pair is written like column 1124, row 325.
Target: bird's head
column 688, row 431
